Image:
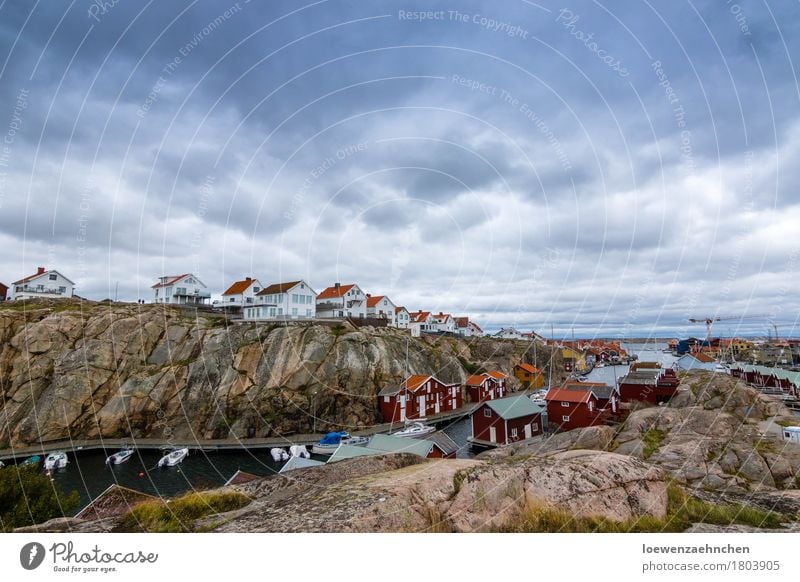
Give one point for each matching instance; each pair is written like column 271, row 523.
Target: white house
column 45, row 284
column 402, row 317
column 292, row 300
column 508, row 333
column 467, row 328
column 183, row 289
column 444, row 322
column 381, row 307
column 422, row 322
column 342, row 301
column 697, row 361
column 239, row 295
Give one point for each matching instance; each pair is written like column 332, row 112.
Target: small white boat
column 299, row 451
column 279, row 454
column 720, row 368
column 173, row 458
column 2, row 464
column 120, row 456
column 539, row 400
column 415, row 429
column 55, row 460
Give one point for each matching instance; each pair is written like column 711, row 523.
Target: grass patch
column 337, row 330
column 180, row 514
column 788, row 422
column 652, row 439
column 682, row 511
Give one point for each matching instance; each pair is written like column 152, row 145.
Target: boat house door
column 422, row 407
column 528, row 433
column 402, row 409
column 438, row 405
column 492, row 434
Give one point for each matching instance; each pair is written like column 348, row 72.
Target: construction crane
column 709, row 320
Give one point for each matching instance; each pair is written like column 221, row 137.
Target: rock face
column 404, row 493
column 85, row 370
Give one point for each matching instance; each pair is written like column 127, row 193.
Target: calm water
column 645, row 352
column 88, row 474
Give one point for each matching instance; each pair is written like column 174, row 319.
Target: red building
column 417, row 397
column 581, row 404
column 648, row 384
column 3, row 292
column 487, row 386
column 504, row 421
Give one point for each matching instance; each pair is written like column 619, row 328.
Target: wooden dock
column 211, row 445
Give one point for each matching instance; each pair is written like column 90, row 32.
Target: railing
column 52, row 291
column 205, row 294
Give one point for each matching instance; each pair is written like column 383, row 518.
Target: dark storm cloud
column 584, row 166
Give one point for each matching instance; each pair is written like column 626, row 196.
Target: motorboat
column 34, row 460
column 331, row 441
column 279, row 454
column 55, row 460
column 720, row 368
column 120, row 456
column 299, row 451
column 173, row 458
column 415, row 429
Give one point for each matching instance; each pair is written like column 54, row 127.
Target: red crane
column 709, row 320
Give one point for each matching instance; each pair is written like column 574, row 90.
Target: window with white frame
column 513, row 433
column 487, row 412
column 565, row 418
column 565, row 404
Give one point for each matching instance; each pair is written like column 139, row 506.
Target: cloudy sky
column 607, row 170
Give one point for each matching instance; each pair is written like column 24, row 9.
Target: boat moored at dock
column 415, row 429
column 331, row 441
column 56, row 460
column 120, row 456
column 173, row 458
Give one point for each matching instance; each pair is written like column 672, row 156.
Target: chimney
column 40, row 271
column 368, row 295
column 336, row 285
column 248, row 279
column 440, row 313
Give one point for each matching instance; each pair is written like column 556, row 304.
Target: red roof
column 476, row 379
column 705, row 358
column 528, row 368
column 414, row 382
column 399, row 309
column 496, row 375
column 172, row 279
column 420, row 316
column 461, row 321
column 278, row 288
column 239, row 286
column 39, row 272
column 373, row 300
column 334, row 292
column 561, row 395
column 440, row 317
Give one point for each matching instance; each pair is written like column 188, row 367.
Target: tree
column 28, row 497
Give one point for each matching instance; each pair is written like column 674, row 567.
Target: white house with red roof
column 381, row 307
column 342, row 301
column 402, row 317
column 467, row 328
column 43, row 284
column 444, row 322
column 239, row 295
column 422, row 322
column 184, row 289
column 290, row 300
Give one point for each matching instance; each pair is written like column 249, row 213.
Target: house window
column 565, row 418
column 53, row 277
column 534, row 427
column 487, row 412
column 256, row 289
column 565, row 404
column 62, row 289
column 308, row 313
column 513, row 433
column 294, row 311
column 386, row 399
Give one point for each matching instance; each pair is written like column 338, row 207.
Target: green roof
column 299, row 463
column 514, row 407
column 350, row 452
column 393, row 444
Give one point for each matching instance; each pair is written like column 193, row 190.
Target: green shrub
column 180, row 514
column 28, row 497
column 652, row 439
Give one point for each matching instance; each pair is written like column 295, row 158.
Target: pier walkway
column 226, row 444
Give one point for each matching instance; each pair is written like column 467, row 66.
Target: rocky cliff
column 71, row 369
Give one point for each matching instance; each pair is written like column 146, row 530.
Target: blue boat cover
column 332, row 438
